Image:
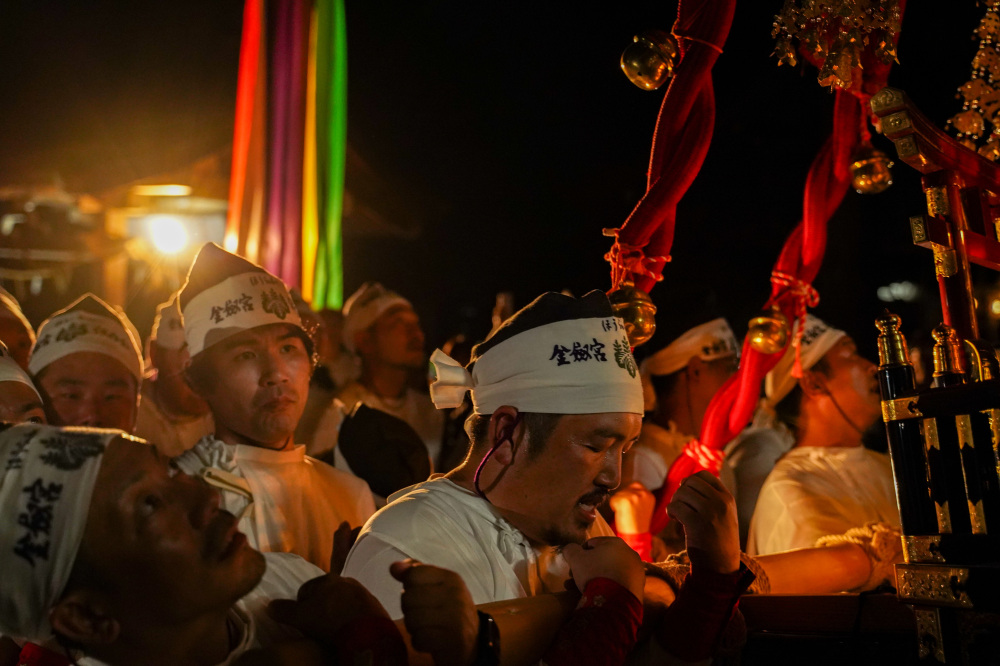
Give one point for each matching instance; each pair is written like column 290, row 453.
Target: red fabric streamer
column 680, row 142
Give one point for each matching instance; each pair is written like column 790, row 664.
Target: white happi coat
column 298, row 501
column 818, row 491
column 438, row 522
column 282, row 579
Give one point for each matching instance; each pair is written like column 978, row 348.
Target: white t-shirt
column 650, row 459
column 282, row 579
column 818, row 491
column 415, row 407
column 172, row 436
column 438, row 522
column 298, row 501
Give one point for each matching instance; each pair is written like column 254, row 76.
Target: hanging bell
column 636, row 309
column 649, row 60
column 768, row 332
column 870, row 172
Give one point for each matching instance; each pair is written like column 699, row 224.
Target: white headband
column 168, row 329
column 575, row 366
column 79, row 331
column 365, row 306
column 709, row 341
column 10, row 371
column 47, row 477
column 817, row 340
column 237, row 304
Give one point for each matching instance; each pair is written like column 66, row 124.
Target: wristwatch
column 488, row 642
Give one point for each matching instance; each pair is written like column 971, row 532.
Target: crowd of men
column 265, row 484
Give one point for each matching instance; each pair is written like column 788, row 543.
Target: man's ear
column 505, row 426
column 812, row 384
column 83, row 621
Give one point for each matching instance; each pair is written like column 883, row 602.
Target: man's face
column 396, row 339
column 89, row 389
column 553, row 496
column 260, row 384
column 159, row 540
column 852, row 383
column 19, row 404
column 16, row 337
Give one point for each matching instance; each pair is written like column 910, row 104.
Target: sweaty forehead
column 610, row 425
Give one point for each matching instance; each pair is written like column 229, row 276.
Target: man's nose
column 275, row 369
column 203, row 500
column 611, row 473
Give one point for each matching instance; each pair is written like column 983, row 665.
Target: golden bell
column 636, row 309
column 870, row 172
column 649, row 60
column 768, row 332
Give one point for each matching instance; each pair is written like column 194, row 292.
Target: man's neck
column 826, row 432
column 386, row 381
column 230, row 436
column 204, row 641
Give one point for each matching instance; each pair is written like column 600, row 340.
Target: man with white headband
column 108, row 550
column 381, row 327
column 828, row 482
column 678, row 382
column 87, row 364
column 15, row 329
column 171, row 415
column 251, row 361
column 20, row 401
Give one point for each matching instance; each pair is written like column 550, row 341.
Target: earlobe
column 811, row 385
column 504, row 425
column 82, row 622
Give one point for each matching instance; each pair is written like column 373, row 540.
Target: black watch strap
column 488, row 642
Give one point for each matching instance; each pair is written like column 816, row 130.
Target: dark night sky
column 514, row 118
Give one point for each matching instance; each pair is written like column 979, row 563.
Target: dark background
column 515, row 122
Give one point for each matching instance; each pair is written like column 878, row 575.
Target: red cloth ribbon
column 805, row 296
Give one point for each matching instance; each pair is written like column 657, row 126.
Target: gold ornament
column 649, row 60
column 871, row 171
column 980, row 100
column 636, row 309
column 835, row 32
column 768, row 332
column 991, row 149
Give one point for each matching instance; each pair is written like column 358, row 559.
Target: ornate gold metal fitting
column 937, row 201
column 637, row 311
column 945, row 261
column 649, row 60
column 947, row 351
column 901, row 409
column 891, row 343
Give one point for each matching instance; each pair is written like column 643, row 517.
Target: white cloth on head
column 365, row 306
column 284, row 575
column 168, row 328
column 438, row 522
column 45, row 489
column 709, row 341
column 298, row 501
column 234, row 305
column 650, row 459
column 11, row 309
column 817, row 339
column 573, row 366
column 10, row 371
column 815, row 491
column 66, row 333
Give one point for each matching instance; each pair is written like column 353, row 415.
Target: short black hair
column 538, row 426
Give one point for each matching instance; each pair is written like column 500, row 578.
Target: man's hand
column 343, row 541
column 708, row 513
column 438, row 612
column 325, row 605
column 633, row 506
column 606, row 557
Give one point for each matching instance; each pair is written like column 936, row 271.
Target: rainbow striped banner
column 286, row 193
